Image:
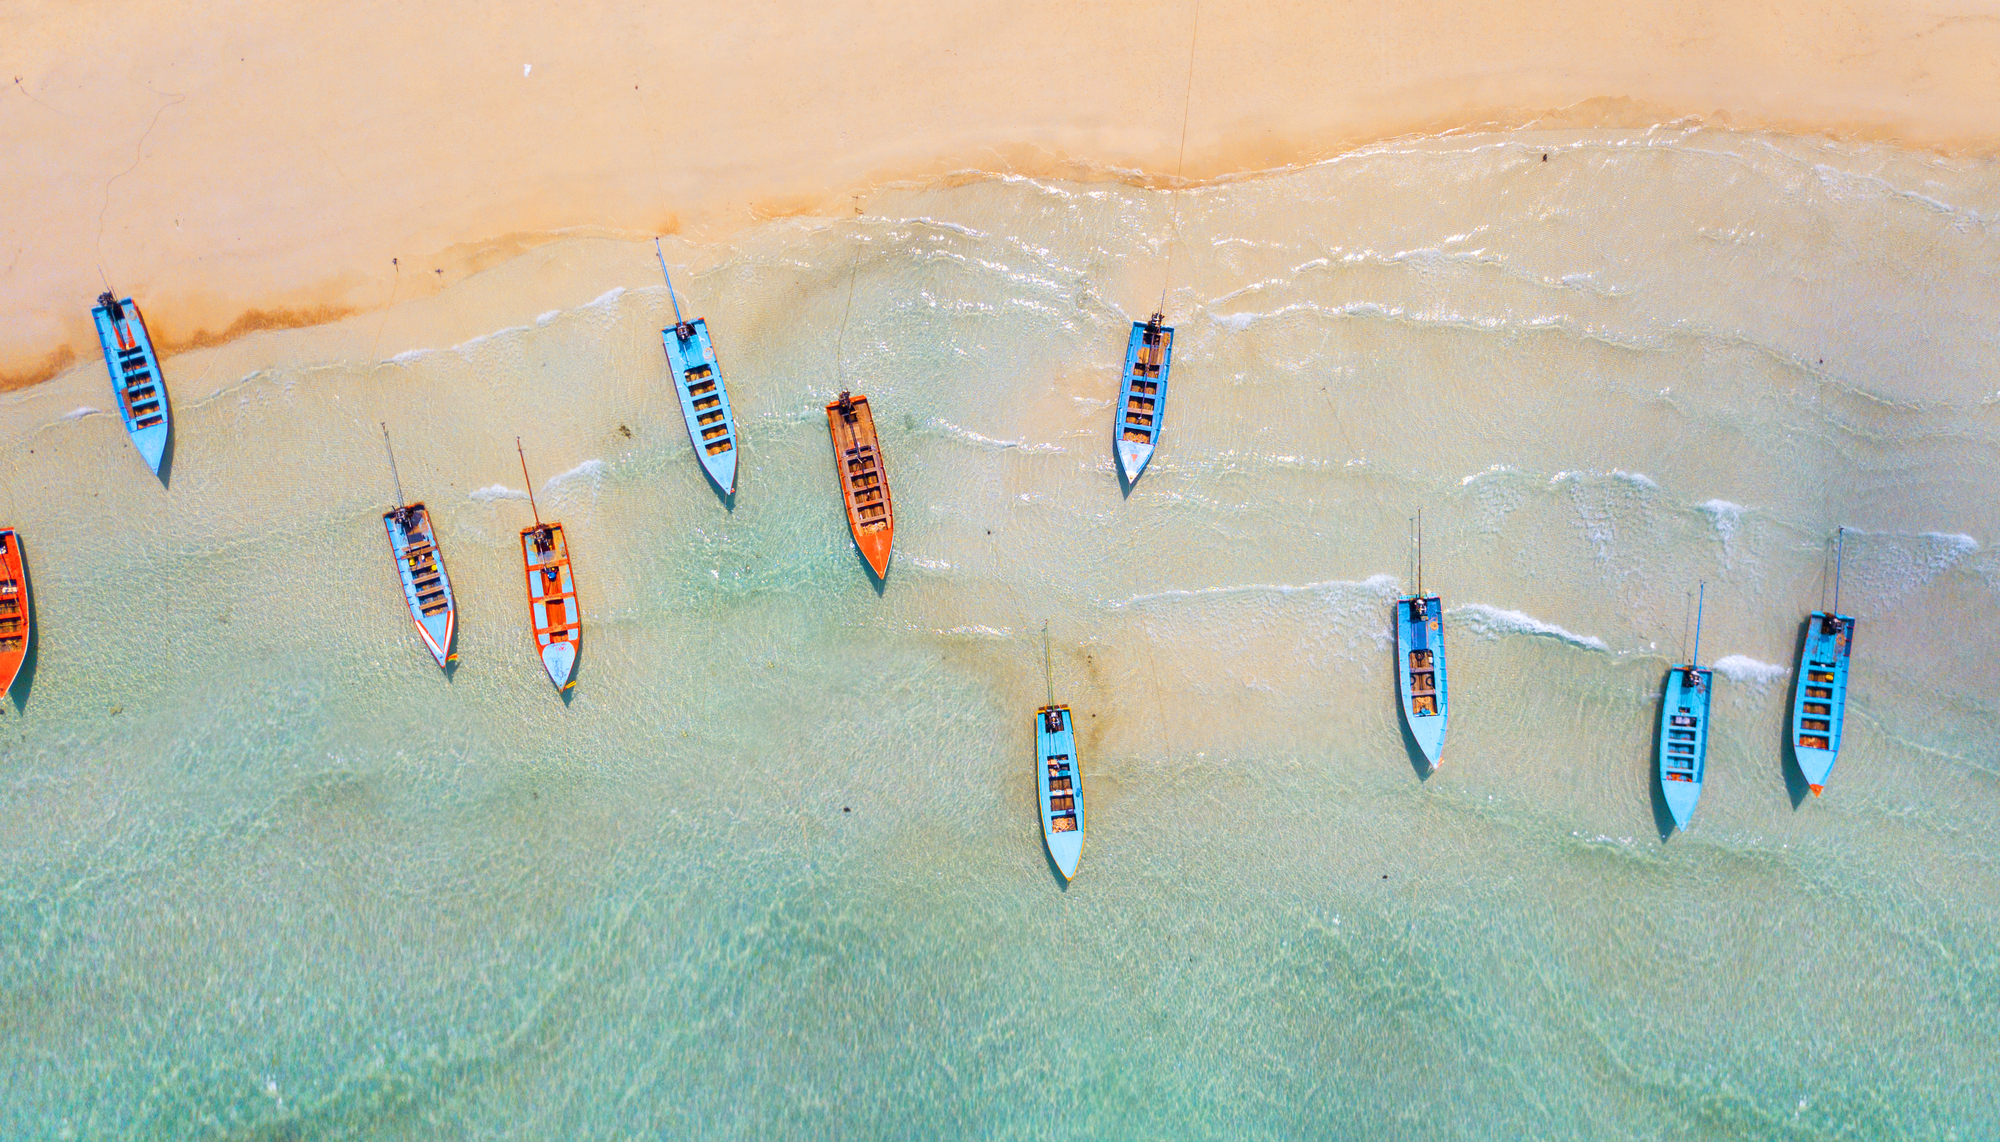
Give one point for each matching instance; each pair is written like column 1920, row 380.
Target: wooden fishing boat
column 864, row 481
column 1142, row 397
column 136, row 380
column 704, row 398
column 1058, row 776
column 426, row 586
column 1060, row 781
column 1684, row 726
column 1420, row 676
column 15, row 628
column 1820, row 707
column 552, row 603
column 1420, row 671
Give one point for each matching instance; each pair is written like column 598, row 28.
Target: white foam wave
column 491, row 492
column 1636, row 479
column 1491, row 470
column 545, row 318
column 1725, row 514
column 926, row 564
column 592, row 470
column 967, row 435
column 80, row 412
column 1497, row 622
column 1748, row 671
column 607, row 299
column 976, row 632
column 408, row 355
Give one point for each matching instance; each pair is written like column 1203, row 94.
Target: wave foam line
column 1386, row 586
column 1496, row 622
column 970, row 437
column 1748, row 671
column 491, row 492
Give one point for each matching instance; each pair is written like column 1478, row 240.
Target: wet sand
column 239, row 170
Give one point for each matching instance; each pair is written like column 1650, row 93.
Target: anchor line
column 530, row 481
column 840, row 339
column 393, row 473
column 1180, row 162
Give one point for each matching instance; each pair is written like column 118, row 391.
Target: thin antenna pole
column 1840, row 549
column 1048, row 668
column 530, row 481
column 1420, row 553
column 393, row 474
column 1409, row 543
column 1696, row 660
column 678, row 320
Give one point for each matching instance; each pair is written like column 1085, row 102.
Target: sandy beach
column 252, row 167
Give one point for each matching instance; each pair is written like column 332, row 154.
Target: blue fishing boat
column 1821, row 705
column 136, row 379
column 1684, row 730
column 1142, row 398
column 426, row 586
column 704, row 398
column 1420, row 674
column 1059, row 779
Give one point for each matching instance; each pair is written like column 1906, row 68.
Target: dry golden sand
column 238, row 166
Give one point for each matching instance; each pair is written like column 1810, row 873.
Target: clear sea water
column 265, row 873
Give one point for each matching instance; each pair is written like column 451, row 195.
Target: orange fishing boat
column 864, row 482
column 552, row 603
column 14, row 630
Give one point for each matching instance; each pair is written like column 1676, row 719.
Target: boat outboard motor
column 846, row 407
column 1418, row 611
column 109, row 301
column 1053, row 720
column 684, row 331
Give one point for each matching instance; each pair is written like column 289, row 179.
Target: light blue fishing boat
column 1420, row 663
column 426, row 586
column 1684, row 730
column 136, row 380
column 704, row 398
column 1142, row 398
column 1059, row 779
column 1821, row 705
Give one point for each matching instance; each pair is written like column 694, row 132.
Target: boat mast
column 393, row 474
column 530, row 481
column 680, row 323
column 1048, row 669
column 1695, row 662
column 1839, row 549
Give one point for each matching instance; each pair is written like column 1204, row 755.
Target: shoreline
column 233, row 180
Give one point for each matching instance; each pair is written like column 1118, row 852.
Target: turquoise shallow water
column 775, row 872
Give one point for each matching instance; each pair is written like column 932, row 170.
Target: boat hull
column 554, row 613
column 1059, row 779
column 426, row 585
column 1142, row 397
column 1819, row 709
column 711, row 424
column 1683, row 745
column 136, row 381
column 1420, row 672
column 16, row 613
column 863, row 479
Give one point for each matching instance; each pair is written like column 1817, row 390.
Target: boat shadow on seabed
column 25, row 680
column 1663, row 817
column 1796, row 785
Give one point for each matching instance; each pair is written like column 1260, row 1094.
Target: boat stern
column 876, row 547
column 559, row 659
column 1065, row 851
column 1681, row 797
column 152, row 445
column 1133, row 458
column 1815, row 765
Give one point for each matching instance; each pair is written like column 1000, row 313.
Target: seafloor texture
column 775, row 871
